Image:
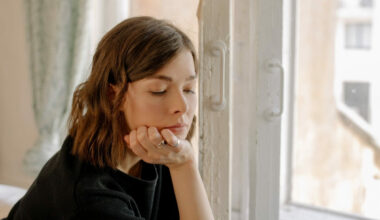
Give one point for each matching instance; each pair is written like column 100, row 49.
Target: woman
column 127, row 155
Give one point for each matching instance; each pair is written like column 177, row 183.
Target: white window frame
column 269, row 149
column 264, row 153
column 215, row 103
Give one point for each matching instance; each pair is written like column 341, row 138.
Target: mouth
column 177, row 128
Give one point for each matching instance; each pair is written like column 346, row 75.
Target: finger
column 135, row 146
column 154, row 136
column 142, row 137
column 173, row 141
column 154, row 155
column 126, row 139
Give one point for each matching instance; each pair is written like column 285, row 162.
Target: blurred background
column 46, row 50
column 336, row 148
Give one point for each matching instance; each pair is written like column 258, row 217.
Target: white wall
column 17, row 127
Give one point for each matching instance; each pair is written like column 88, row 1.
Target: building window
column 366, row 3
column 358, row 35
column 356, row 97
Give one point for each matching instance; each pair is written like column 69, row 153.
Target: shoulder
column 98, row 195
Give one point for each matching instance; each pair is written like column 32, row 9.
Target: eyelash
column 163, row 92
column 158, row 93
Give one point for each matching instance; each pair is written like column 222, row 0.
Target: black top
column 68, row 188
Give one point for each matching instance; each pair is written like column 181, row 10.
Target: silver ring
column 161, row 144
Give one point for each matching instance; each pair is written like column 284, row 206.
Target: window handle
column 218, row 49
column 274, row 66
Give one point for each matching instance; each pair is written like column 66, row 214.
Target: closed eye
column 158, row 93
column 189, row 91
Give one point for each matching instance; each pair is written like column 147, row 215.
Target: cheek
column 192, row 102
column 151, row 108
column 144, row 113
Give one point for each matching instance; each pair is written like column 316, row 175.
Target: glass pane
column 336, row 148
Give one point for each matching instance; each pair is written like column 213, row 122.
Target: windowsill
column 357, row 48
column 303, row 212
column 360, row 125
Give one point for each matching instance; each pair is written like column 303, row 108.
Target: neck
column 131, row 165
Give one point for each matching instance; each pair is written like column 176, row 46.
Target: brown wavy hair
column 135, row 48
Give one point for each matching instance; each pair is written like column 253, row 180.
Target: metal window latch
column 218, row 48
column 274, row 66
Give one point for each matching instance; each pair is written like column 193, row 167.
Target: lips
column 177, row 128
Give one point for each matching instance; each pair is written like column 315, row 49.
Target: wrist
column 189, row 164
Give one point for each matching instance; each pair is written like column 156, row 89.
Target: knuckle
column 151, row 130
column 140, row 136
column 154, row 135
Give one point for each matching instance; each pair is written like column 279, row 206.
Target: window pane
column 358, row 35
column 336, row 152
column 356, row 96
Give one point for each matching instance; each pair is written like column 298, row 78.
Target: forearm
column 190, row 193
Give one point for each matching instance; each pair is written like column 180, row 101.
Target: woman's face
column 166, row 99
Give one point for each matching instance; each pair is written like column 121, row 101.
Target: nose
column 179, row 103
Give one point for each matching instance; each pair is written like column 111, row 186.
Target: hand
column 145, row 143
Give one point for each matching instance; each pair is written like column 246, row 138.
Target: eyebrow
column 167, row 78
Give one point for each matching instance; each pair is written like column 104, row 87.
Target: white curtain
column 59, row 49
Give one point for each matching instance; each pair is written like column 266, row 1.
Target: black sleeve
column 168, row 208
column 106, row 205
